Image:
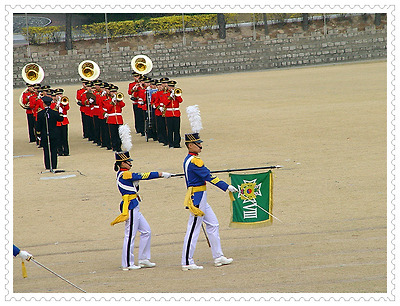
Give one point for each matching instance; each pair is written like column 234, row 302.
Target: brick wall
column 215, row 57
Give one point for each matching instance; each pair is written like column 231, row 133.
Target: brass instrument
column 21, row 102
column 32, row 73
column 64, row 100
column 89, row 70
column 119, row 96
column 141, row 64
column 177, row 92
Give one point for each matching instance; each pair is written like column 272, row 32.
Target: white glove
column 25, row 255
column 91, row 100
column 232, row 188
column 166, row 174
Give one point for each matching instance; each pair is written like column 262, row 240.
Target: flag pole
column 232, row 170
column 268, row 213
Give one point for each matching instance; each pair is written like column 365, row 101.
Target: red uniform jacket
column 172, row 105
column 141, row 95
column 96, row 106
column 114, row 112
column 88, row 106
column 79, row 94
column 25, row 101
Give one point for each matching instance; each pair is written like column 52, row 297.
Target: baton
column 43, row 266
column 232, row 170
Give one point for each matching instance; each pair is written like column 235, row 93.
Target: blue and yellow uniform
column 196, row 176
column 128, row 186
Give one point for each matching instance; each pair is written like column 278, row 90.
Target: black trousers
column 63, row 140
column 50, row 152
column 31, row 127
column 90, row 128
column 161, row 129
column 173, row 131
column 96, row 128
column 136, row 112
column 105, row 134
column 115, row 139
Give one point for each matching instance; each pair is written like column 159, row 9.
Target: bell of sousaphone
column 141, row 64
column 89, row 70
column 32, row 73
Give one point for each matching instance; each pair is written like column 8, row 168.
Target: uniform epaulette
column 126, row 175
column 197, row 161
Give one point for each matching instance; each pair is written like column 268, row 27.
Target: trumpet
column 89, row 70
column 119, row 96
column 177, row 92
column 141, row 64
column 64, row 100
column 32, row 73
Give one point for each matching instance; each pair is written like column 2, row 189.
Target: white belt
column 96, row 106
column 65, row 116
column 115, row 114
column 172, row 109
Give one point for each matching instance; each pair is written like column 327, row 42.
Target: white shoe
column 191, row 267
column 222, row 261
column 145, row 263
column 133, row 267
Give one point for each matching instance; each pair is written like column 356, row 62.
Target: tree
column 305, row 22
column 377, row 21
column 68, row 31
column 221, row 26
column 265, row 24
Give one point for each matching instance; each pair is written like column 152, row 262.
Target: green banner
column 252, row 205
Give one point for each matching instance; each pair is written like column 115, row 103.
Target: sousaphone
column 141, row 64
column 89, row 70
column 32, row 73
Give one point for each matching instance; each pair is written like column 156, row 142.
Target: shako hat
column 124, row 132
column 193, row 137
column 122, row 156
column 193, row 114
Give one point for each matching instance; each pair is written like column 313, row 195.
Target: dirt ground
column 325, row 125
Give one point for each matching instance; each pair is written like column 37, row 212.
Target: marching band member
column 172, row 115
column 132, row 88
column 96, row 112
column 29, row 113
column 82, row 108
column 104, row 129
column 159, row 116
column 88, row 99
column 33, row 100
column 151, row 90
column 63, row 108
column 114, row 118
column 140, row 95
column 128, row 186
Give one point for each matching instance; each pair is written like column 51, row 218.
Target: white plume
column 193, row 114
column 125, row 135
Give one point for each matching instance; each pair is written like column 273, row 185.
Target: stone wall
column 222, row 56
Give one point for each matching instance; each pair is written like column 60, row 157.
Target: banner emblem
column 249, row 190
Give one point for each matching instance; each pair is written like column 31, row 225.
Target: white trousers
column 136, row 222
column 193, row 231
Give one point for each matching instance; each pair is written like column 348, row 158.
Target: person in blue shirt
column 128, row 186
column 196, row 176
